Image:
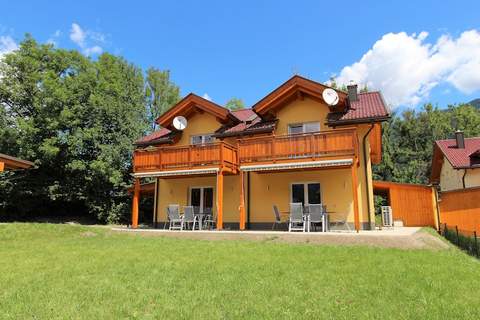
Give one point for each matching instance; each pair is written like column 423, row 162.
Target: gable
column 296, row 88
column 191, row 105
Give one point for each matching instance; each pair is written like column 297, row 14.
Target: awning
column 297, row 165
column 175, row 173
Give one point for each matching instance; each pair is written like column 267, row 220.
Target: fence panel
column 461, row 208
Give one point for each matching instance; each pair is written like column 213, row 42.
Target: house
column 456, row 163
column 291, row 146
column 11, row 163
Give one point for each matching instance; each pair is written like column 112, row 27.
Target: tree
column 235, row 104
column 408, row 140
column 160, row 92
column 76, row 118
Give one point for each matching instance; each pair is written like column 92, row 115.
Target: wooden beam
column 136, row 199
column 356, row 215
column 2, row 166
column 241, row 208
column 220, row 200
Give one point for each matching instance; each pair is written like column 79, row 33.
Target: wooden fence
column 461, row 208
column 413, row 204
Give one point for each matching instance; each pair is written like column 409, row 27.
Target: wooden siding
column 412, row 204
column 375, row 140
column 186, row 157
column 301, row 147
column 461, row 208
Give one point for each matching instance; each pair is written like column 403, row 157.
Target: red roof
column 152, row 137
column 369, row 106
column 244, row 114
column 460, row 158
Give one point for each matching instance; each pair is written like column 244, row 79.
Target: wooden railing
column 186, row 157
column 308, row 146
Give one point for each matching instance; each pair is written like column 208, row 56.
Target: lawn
column 69, row 272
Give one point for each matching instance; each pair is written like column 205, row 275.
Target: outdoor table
column 200, row 217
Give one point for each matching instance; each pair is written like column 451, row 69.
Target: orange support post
column 2, row 166
column 356, row 215
column 220, row 200
column 241, row 208
column 136, row 199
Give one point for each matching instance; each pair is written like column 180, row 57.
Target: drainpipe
column 435, row 190
column 463, row 177
column 248, row 200
column 366, row 173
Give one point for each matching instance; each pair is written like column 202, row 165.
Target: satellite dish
column 330, row 96
column 180, row 123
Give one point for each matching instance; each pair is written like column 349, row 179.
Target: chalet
column 292, row 146
column 456, row 163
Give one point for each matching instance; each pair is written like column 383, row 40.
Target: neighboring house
column 289, row 147
column 456, row 163
column 11, row 163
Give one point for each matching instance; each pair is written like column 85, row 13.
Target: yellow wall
column 199, row 123
column 176, row 191
column 299, row 111
column 451, row 179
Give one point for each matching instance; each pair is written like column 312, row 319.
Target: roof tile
column 460, row 158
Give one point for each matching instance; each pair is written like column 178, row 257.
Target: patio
column 398, row 237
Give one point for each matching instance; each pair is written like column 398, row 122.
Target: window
column 306, row 193
column 201, row 198
column 201, row 139
column 306, row 127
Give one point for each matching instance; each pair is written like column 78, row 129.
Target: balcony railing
column 298, row 147
column 186, row 157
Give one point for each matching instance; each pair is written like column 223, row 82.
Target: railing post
column 273, row 149
column 456, row 231
column 221, row 154
column 475, row 242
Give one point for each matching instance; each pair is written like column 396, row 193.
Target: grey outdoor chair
column 188, row 217
column 278, row 218
column 296, row 221
column 315, row 216
column 174, row 218
column 209, row 220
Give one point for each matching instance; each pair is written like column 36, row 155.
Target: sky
column 413, row 51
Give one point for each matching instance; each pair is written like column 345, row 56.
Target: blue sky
column 246, row 48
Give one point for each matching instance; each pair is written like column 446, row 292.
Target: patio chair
column 340, row 219
column 296, row 221
column 315, row 216
column 209, row 220
column 188, row 217
column 278, row 218
column 174, row 218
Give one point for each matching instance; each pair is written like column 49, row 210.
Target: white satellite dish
column 330, row 96
column 180, row 122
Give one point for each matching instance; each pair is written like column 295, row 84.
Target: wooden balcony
column 299, row 147
column 215, row 155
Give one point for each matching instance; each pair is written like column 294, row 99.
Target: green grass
column 71, row 272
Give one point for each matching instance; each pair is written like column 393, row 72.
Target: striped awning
column 297, row 165
column 175, row 173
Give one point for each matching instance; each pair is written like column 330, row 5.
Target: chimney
column 460, row 139
column 352, row 91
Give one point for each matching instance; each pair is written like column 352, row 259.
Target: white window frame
column 202, row 188
column 203, row 136
column 304, row 126
column 305, row 190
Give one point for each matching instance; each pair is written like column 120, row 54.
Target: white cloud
column 406, row 68
column 7, row 44
column 53, row 39
column 92, row 50
column 83, row 38
column 77, row 35
column 206, row 97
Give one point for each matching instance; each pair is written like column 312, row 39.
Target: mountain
column 475, row 103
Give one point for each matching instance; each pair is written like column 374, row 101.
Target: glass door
column 201, row 198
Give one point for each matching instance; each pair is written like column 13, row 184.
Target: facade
column 456, row 163
column 291, row 146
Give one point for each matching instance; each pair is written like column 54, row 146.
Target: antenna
column 180, row 123
column 330, row 97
